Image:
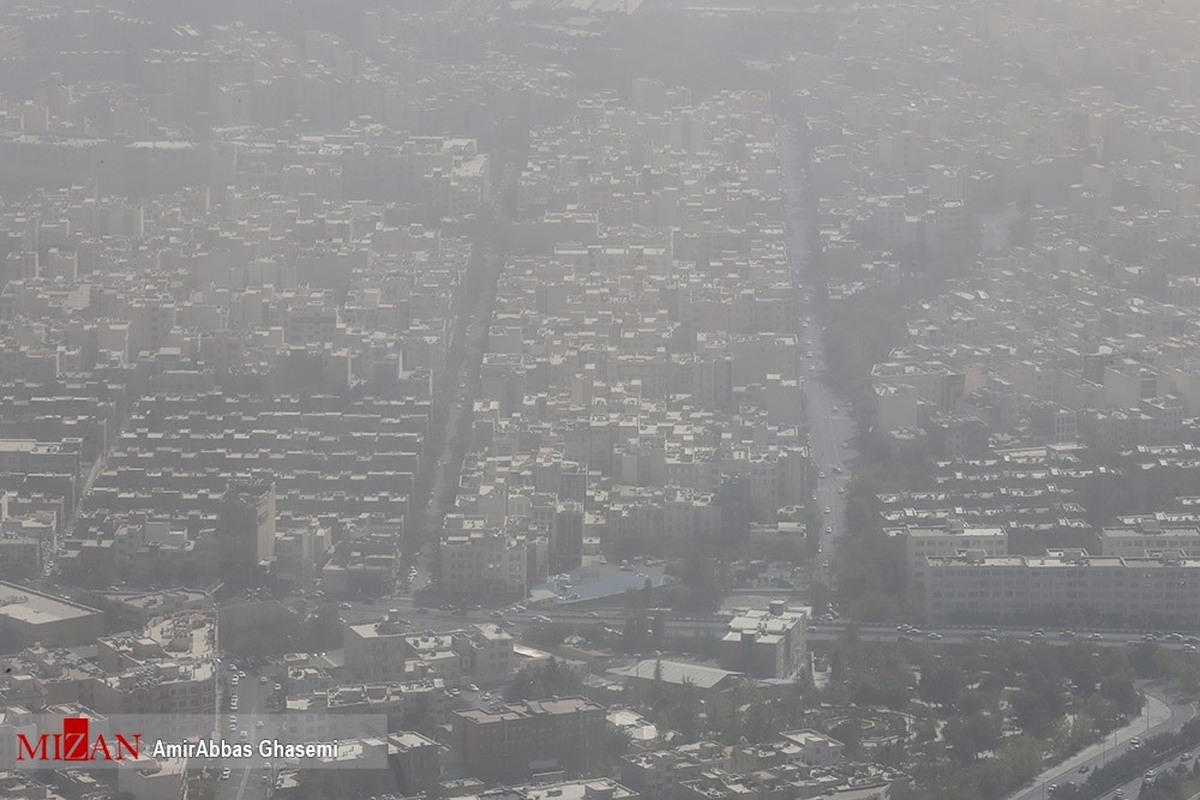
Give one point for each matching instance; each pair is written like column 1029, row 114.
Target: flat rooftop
column 34, row 608
column 515, row 711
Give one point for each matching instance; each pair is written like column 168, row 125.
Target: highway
column 683, row 625
column 1163, row 714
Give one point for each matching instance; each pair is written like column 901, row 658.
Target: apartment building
column 247, row 531
column 808, row 747
column 1149, row 537
column 766, row 644
column 919, row 543
column 490, row 563
column 376, row 651
column 517, row 740
column 1066, row 585
column 657, row 773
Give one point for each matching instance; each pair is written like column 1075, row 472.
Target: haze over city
column 599, row 400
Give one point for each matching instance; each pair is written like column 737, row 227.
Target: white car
column 225, row 773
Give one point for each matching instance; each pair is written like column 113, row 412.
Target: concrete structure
column 487, row 563
column 247, row 531
column 416, row 760
column 766, row 644
column 807, row 747
column 376, row 651
column 679, row 674
column 1066, row 586
column 517, row 740
column 1149, row 537
column 920, row 543
column 28, row 617
column 658, row 773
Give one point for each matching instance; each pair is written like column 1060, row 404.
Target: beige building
column 434, row 654
column 657, row 773
column 376, row 651
column 946, row 541
column 28, row 617
column 1065, row 585
column 1149, row 537
column 766, row 644
column 514, row 741
column 490, row 650
column 485, row 562
column 170, row 687
column 808, row 747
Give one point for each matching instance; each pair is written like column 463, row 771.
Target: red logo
column 74, row 744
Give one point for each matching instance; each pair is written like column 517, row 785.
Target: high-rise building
column 566, row 538
column 246, row 529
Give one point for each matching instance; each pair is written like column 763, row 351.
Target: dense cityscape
column 599, row 400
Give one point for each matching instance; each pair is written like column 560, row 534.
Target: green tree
column 941, row 683
column 820, row 596
column 849, row 733
column 658, row 630
column 633, row 638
